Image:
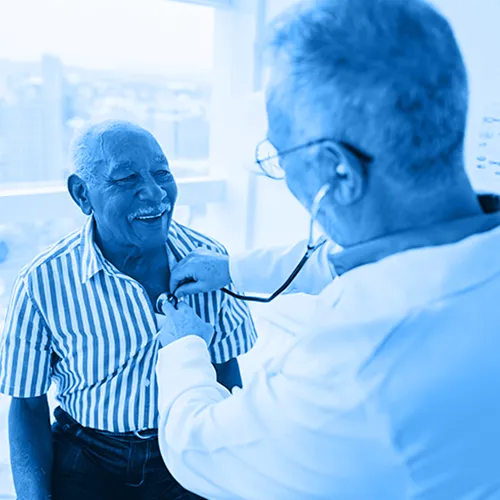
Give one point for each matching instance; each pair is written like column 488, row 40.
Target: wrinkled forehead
column 124, row 143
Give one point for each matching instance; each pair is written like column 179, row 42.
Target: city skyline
column 43, row 105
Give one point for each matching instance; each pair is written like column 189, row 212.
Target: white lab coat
column 392, row 393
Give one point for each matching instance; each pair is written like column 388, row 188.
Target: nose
column 150, row 191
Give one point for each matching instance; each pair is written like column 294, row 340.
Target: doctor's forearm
column 265, row 270
column 193, row 440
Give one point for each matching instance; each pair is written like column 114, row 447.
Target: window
column 74, row 63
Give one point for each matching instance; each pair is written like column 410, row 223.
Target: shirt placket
column 151, row 316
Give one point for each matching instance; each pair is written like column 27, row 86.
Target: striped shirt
column 75, row 320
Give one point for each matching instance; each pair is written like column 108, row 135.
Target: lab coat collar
column 429, row 236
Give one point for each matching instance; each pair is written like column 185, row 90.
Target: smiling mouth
column 152, row 217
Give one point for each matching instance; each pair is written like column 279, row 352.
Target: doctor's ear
column 349, row 176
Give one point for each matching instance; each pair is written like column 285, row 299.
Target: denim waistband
column 69, row 423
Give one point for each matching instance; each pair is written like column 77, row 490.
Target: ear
column 349, row 180
column 78, row 191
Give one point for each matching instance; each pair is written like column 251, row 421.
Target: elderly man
column 82, row 315
column 392, row 391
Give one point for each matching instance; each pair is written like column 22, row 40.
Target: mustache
column 149, row 212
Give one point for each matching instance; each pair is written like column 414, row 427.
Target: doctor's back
column 397, row 387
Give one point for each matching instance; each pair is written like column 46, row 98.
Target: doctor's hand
column 182, row 322
column 200, row 271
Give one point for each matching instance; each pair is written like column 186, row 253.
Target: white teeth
column 147, row 217
column 150, row 217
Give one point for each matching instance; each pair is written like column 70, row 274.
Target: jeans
column 94, row 465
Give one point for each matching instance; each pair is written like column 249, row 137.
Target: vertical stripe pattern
column 76, row 321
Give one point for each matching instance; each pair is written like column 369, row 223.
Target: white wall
column 278, row 217
column 475, row 23
column 274, row 216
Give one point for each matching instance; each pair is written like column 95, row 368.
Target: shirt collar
column 438, row 234
column 176, row 250
column 93, row 260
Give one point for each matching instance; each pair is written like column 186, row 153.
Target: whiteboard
column 484, row 163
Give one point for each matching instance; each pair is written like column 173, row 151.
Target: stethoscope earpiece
column 341, row 169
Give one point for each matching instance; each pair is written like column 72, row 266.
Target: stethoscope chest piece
column 166, row 297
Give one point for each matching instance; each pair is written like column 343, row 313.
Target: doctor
column 392, row 393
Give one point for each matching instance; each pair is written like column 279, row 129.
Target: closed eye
column 126, row 179
column 163, row 173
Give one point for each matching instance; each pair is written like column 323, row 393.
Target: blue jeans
column 94, row 465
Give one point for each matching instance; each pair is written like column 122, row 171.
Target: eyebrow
column 128, row 165
column 122, row 164
column 161, row 159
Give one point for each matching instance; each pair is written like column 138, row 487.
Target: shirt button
column 147, row 383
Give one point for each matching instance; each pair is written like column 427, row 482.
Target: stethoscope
column 311, row 248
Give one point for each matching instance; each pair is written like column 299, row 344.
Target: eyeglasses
column 268, row 157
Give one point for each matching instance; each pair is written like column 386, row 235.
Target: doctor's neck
column 385, row 213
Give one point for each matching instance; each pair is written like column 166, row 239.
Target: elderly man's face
column 135, row 193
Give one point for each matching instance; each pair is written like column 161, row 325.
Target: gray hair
column 87, row 147
column 387, row 75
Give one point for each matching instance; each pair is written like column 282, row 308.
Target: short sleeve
column 25, row 347
column 235, row 332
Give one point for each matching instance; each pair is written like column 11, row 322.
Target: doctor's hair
column 87, row 151
column 384, row 75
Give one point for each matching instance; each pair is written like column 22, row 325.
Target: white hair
column 87, row 147
column 387, row 75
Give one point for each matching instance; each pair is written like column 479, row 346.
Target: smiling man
column 82, row 315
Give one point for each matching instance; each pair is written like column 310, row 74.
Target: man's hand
column 181, row 322
column 200, row 271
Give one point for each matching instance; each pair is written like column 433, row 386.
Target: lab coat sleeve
column 265, row 270
column 262, row 442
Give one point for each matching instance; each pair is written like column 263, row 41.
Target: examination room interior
column 193, row 75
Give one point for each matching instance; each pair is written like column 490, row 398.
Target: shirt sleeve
column 265, row 270
column 235, row 332
column 25, row 348
column 273, row 439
